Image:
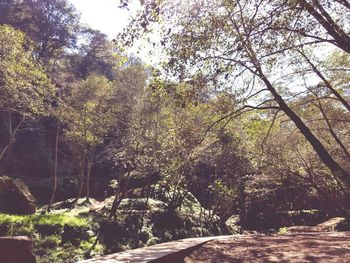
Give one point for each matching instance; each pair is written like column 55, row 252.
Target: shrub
column 74, row 234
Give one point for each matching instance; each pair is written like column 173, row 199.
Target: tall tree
column 97, row 56
column 25, row 90
column 52, row 25
column 228, row 46
column 89, row 112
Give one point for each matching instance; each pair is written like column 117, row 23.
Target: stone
column 16, row 250
column 328, row 226
column 331, row 225
column 15, row 197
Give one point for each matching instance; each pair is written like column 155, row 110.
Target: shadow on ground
column 298, row 247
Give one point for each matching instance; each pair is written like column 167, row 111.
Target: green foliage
column 51, row 25
column 45, row 224
column 89, row 111
column 58, row 237
column 283, row 230
column 24, row 86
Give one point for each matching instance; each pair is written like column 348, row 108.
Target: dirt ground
column 296, row 247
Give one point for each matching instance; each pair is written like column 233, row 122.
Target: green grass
column 46, row 224
column 60, row 219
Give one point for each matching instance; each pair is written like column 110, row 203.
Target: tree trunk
column 54, row 173
column 326, row 82
column 89, row 165
column 335, row 136
column 321, row 151
column 146, row 189
column 242, row 205
column 341, row 39
column 119, row 196
column 4, row 150
column 81, row 178
column 12, row 136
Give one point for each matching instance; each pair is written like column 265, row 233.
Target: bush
column 48, row 230
column 74, row 234
column 50, row 242
column 45, row 230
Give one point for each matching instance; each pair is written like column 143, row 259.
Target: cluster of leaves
column 25, row 88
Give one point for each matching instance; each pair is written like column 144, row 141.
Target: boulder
column 328, row 226
column 331, row 225
column 15, row 197
column 16, row 250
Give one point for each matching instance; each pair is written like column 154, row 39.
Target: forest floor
column 295, row 247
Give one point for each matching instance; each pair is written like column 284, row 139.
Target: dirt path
column 296, row 247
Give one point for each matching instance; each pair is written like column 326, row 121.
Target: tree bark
column 89, row 165
column 4, row 150
column 81, row 178
column 119, row 196
column 55, row 172
column 242, row 205
column 146, row 189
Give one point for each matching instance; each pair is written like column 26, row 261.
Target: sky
column 103, row 15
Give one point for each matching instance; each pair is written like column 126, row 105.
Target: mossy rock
column 15, row 197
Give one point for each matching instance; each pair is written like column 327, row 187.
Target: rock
column 301, row 229
column 328, row 226
column 331, row 224
column 15, row 197
column 232, row 224
column 16, row 250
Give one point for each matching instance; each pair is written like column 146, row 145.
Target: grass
column 59, row 219
column 46, row 224
column 58, row 237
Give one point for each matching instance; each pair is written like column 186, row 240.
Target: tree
column 288, row 163
column 89, row 113
column 25, row 90
column 311, row 24
column 233, row 45
column 325, row 12
column 97, row 56
column 52, row 25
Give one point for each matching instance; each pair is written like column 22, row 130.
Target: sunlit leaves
column 24, row 86
column 89, row 111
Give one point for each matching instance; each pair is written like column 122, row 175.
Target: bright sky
column 103, row 15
